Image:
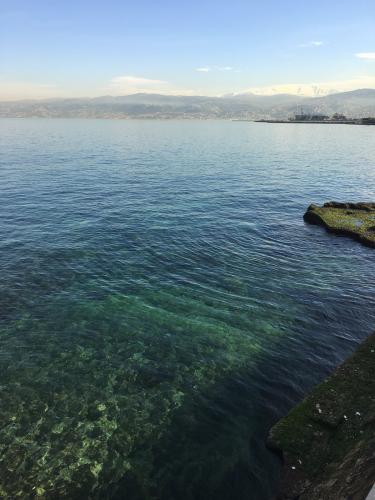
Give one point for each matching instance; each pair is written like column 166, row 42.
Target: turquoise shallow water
column 163, row 303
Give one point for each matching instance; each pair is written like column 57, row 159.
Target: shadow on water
column 122, row 399
column 214, row 448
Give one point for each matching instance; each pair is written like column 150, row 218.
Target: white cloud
column 316, row 89
column 312, row 44
column 368, row 56
column 206, row 69
column 130, row 84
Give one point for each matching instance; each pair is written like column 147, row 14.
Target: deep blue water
column 163, row 303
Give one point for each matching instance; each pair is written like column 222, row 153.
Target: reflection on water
column 163, row 303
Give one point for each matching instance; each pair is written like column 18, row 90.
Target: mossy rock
column 356, row 220
column 327, row 442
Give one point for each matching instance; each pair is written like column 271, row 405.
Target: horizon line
column 222, row 96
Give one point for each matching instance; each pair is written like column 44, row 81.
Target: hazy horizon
column 243, row 94
column 52, row 50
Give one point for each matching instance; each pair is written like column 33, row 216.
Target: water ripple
column 163, row 303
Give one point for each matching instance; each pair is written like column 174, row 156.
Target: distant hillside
column 356, row 104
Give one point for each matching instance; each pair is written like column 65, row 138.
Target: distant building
column 338, row 117
column 367, row 121
column 303, row 117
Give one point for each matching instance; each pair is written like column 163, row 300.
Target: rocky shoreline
column 327, row 442
column 356, row 220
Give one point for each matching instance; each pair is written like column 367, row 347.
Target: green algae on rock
column 356, row 220
column 327, row 442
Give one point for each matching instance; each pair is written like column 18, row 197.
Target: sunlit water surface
column 163, row 302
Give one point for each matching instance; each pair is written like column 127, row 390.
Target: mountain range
column 354, row 104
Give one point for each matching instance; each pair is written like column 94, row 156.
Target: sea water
column 162, row 302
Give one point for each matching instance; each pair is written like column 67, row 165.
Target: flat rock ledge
column 356, row 220
column 327, row 442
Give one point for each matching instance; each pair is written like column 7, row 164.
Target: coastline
column 356, row 220
column 327, row 441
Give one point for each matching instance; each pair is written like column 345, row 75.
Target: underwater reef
column 327, row 442
column 88, row 415
column 356, row 220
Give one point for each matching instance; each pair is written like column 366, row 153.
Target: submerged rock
column 327, row 442
column 356, row 220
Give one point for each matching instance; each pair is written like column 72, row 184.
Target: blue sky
column 88, row 48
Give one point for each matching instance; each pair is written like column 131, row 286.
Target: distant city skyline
column 85, row 49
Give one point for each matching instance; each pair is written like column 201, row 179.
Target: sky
column 65, row 48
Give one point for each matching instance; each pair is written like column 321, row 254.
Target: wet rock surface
column 327, row 442
column 356, row 220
